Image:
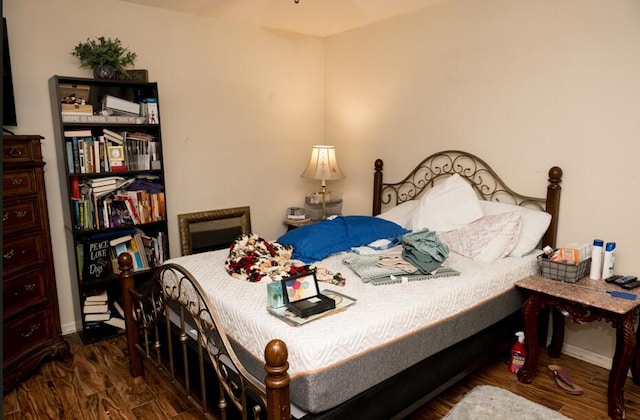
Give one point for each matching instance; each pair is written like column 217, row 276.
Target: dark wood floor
column 96, row 385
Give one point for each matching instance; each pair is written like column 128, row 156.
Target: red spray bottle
column 518, row 353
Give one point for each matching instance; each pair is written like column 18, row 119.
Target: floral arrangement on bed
column 253, row 259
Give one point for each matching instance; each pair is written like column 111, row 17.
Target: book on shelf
column 113, row 136
column 96, row 295
column 138, row 150
column 97, row 190
column 117, row 316
column 74, row 183
column 116, row 322
column 133, row 245
column 109, row 180
column 86, row 154
column 78, row 133
column 96, row 309
column 80, row 259
column 118, row 308
column 120, row 240
column 110, row 186
column 97, row 317
column 119, row 105
column 131, row 207
column 120, row 214
column 154, row 152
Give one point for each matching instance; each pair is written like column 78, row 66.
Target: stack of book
column 97, row 310
column 108, row 184
column 113, row 137
column 96, row 307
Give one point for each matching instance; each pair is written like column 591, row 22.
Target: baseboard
column 587, row 356
column 71, row 328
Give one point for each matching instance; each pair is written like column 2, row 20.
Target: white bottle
column 609, row 259
column 596, row 259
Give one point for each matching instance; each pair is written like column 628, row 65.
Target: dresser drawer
column 18, row 151
column 22, row 253
column 20, row 215
column 25, row 333
column 19, row 182
column 23, row 291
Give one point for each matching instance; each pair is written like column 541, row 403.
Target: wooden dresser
column 31, row 321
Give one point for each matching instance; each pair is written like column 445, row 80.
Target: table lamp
column 323, row 165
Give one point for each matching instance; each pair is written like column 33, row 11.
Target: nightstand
column 583, row 301
column 296, row 223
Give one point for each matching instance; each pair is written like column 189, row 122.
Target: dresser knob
column 16, row 181
column 21, row 214
column 8, row 255
column 13, row 152
column 33, row 328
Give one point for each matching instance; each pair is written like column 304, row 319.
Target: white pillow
column 534, row 224
column 401, row 214
column 487, row 239
column 449, row 205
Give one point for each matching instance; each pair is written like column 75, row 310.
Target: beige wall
column 241, row 107
column 524, row 84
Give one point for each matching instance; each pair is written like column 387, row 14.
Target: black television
column 8, row 101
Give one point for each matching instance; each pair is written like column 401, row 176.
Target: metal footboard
column 173, row 327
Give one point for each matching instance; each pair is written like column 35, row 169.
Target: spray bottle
column 518, row 353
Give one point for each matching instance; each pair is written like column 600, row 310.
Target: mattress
column 389, row 328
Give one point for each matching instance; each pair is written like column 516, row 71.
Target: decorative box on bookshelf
column 110, row 155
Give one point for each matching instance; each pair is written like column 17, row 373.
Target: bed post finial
column 127, row 282
column 377, row 187
column 553, row 205
column 277, row 380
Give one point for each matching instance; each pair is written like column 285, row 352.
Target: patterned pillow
column 487, row 239
column 534, row 224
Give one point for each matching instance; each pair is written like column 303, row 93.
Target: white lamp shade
column 323, row 164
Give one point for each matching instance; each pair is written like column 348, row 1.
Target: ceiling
column 312, row 17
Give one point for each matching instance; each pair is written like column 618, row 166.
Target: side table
column 583, row 301
column 296, row 223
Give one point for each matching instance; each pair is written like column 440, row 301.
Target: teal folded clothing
column 424, row 250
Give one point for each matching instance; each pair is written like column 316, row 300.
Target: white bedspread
column 381, row 314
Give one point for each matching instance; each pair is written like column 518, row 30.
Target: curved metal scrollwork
column 173, row 301
column 482, row 178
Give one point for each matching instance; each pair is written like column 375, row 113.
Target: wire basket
column 560, row 271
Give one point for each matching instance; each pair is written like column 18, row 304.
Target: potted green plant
column 104, row 55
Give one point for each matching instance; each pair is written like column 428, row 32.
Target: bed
column 396, row 347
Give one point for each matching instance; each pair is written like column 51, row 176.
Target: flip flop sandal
column 561, row 376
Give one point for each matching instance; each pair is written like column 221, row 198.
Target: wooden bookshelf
column 112, row 171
